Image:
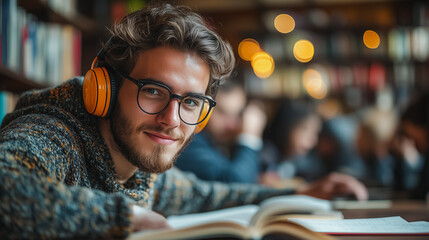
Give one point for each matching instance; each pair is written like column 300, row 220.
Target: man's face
column 152, row 142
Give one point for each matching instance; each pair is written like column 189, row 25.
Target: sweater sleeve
column 208, row 163
column 36, row 154
column 177, row 193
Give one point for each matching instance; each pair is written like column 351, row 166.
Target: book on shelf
column 45, row 52
column 8, row 101
column 1, row 30
column 268, row 219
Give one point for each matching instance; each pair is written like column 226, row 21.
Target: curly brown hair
column 173, row 26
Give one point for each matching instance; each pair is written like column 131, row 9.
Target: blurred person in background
column 287, row 159
column 335, row 150
column 228, row 148
column 288, row 141
column 374, row 133
column 408, row 163
column 414, row 128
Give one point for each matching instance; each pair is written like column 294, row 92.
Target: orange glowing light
column 247, row 48
column 371, row 39
column 284, row 23
column 314, row 84
column 303, row 50
column 262, row 64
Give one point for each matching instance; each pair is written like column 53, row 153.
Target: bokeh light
column 247, row 48
column 371, row 39
column 284, row 23
column 303, row 51
column 314, row 84
column 262, row 64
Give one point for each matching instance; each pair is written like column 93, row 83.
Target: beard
column 151, row 163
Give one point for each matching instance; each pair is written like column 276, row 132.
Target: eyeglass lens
column 154, row 99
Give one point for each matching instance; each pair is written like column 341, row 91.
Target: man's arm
column 40, row 207
column 178, row 193
column 182, row 193
column 35, row 203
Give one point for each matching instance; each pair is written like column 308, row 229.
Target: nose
column 170, row 116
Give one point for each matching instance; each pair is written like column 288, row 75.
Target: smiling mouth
column 161, row 139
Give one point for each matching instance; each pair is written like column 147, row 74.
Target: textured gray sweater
column 57, row 178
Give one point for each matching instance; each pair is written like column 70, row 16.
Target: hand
column 269, row 178
column 144, row 219
column 404, row 148
column 335, row 184
column 254, row 119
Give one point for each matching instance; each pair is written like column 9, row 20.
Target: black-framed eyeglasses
column 154, row 97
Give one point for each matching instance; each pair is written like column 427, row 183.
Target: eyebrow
column 168, row 86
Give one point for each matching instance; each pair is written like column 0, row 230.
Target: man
column 68, row 173
column 224, row 157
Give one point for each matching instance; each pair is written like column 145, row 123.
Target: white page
column 241, row 215
column 389, row 225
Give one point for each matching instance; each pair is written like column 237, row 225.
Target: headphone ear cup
column 114, row 86
column 200, row 126
column 97, row 91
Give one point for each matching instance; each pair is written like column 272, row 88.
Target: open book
column 269, row 219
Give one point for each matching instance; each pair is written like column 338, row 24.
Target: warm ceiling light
column 371, row 39
column 262, row 64
column 303, row 50
column 247, row 48
column 284, row 23
column 314, row 84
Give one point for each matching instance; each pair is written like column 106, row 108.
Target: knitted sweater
column 58, row 179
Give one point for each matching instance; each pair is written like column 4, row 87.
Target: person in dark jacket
column 229, row 146
column 414, row 125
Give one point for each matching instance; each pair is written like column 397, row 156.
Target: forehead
column 183, row 71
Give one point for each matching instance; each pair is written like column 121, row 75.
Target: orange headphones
column 100, row 87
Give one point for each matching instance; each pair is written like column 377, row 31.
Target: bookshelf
column 42, row 43
column 399, row 65
column 45, row 13
column 14, row 82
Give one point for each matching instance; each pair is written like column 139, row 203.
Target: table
column 410, row 210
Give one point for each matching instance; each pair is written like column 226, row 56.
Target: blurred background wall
column 346, row 54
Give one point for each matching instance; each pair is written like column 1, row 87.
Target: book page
column 387, row 225
column 240, row 215
column 298, row 203
column 243, row 215
column 293, row 204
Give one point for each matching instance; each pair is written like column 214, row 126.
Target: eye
column 152, row 91
column 191, row 101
